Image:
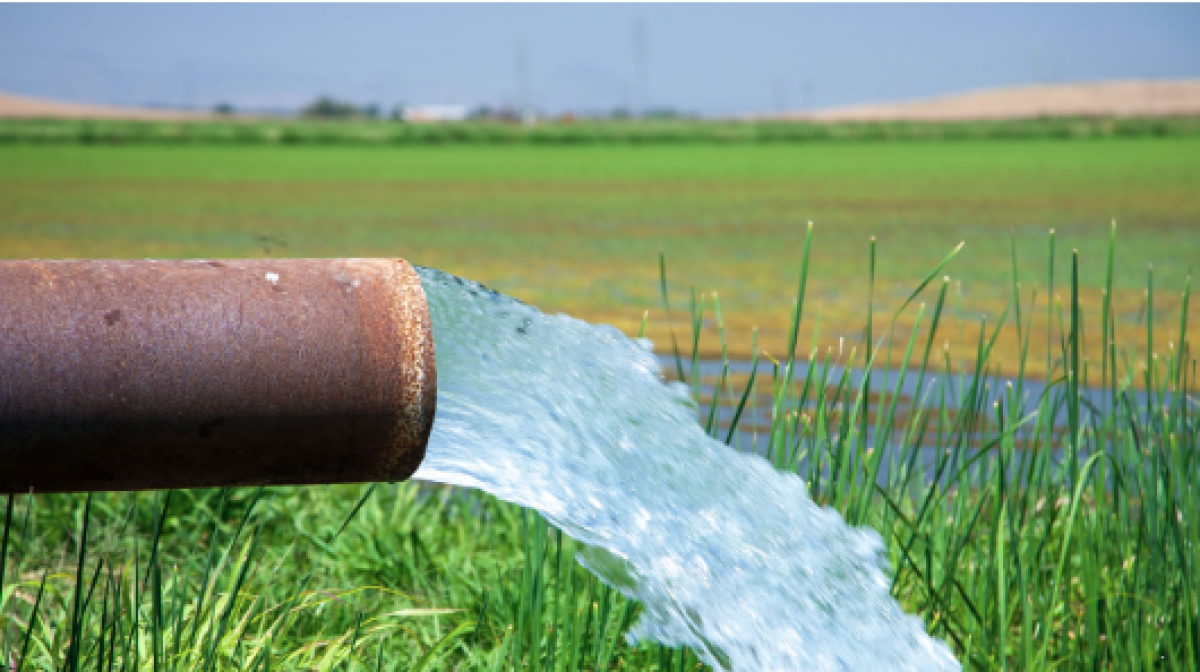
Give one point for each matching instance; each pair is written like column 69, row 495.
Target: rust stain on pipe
column 129, row 375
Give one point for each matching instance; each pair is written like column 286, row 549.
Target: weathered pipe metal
column 129, row 375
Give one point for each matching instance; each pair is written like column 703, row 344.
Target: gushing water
column 729, row 556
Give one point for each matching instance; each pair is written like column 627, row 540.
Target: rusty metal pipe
column 130, row 375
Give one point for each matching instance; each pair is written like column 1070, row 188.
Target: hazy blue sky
column 707, row 58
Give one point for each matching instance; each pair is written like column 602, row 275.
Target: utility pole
column 524, row 111
column 1037, row 63
column 187, row 99
column 639, row 60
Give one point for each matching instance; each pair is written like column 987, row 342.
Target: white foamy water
column 729, row 556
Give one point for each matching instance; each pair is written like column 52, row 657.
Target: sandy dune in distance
column 38, row 108
column 1144, row 98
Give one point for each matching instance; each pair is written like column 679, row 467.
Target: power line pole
column 1037, row 63
column 639, row 58
column 781, row 97
column 520, row 61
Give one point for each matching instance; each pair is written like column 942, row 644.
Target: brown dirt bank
column 18, row 107
column 1138, row 98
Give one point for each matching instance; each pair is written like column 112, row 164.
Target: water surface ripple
column 729, row 556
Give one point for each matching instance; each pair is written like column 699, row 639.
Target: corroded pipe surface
column 129, row 375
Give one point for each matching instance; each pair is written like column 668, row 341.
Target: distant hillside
column 1145, row 98
column 21, row 107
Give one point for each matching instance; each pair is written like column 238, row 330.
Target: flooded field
column 580, row 229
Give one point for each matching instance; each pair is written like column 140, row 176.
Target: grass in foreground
column 571, row 228
column 1036, row 534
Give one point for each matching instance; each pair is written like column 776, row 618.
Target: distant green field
column 579, row 228
column 285, row 131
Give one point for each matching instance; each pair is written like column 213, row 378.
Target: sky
column 711, row 59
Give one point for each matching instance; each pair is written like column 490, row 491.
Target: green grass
column 199, row 580
column 576, row 228
column 1028, row 546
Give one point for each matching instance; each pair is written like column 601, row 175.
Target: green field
column 1051, row 539
column 579, row 228
column 665, row 130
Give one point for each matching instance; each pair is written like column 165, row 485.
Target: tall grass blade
column 662, row 279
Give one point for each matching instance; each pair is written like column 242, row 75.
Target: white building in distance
column 434, row 113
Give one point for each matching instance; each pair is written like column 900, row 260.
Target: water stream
column 729, row 556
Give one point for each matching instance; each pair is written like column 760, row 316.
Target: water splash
column 729, row 556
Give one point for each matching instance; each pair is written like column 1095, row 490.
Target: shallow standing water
column 729, row 556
